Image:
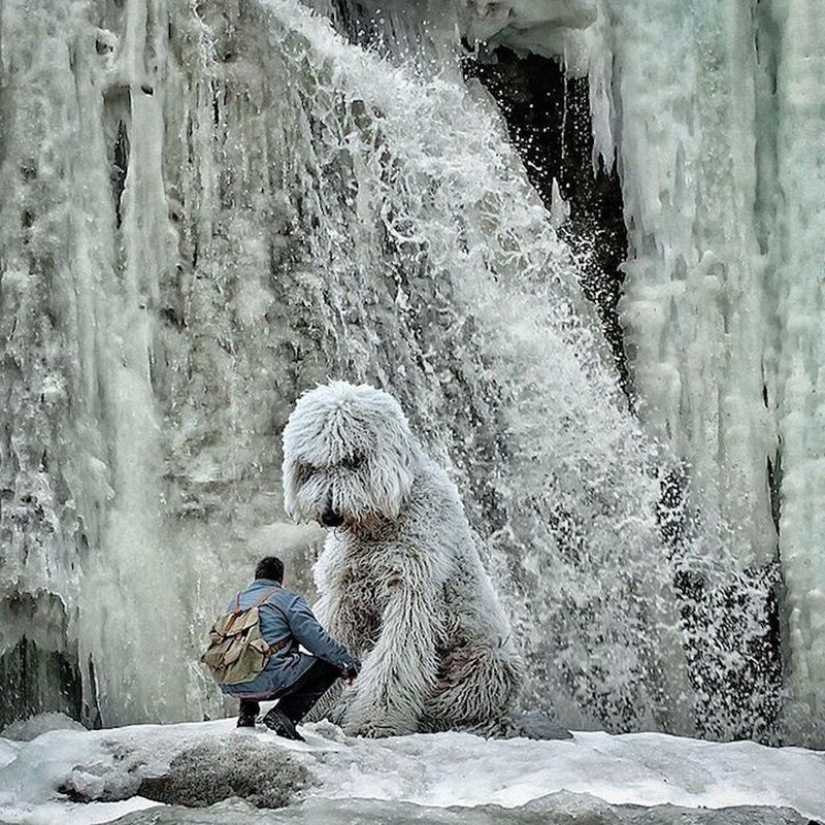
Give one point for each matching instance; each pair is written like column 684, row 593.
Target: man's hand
column 351, row 669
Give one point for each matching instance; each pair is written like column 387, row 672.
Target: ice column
column 131, row 601
column 53, row 253
column 801, row 308
column 694, row 311
column 86, row 241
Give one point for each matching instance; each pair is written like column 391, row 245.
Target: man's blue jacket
column 285, row 615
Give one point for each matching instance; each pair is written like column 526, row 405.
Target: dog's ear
column 291, row 485
column 392, row 474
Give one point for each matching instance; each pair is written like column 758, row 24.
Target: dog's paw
column 370, row 730
column 376, row 725
column 341, row 709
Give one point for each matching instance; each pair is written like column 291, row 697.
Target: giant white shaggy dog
column 400, row 581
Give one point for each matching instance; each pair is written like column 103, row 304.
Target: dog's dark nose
column 329, row 518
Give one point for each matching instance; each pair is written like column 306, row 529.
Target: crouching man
column 297, row 680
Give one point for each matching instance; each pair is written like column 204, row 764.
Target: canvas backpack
column 237, row 652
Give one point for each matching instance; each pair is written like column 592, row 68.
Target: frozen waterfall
column 207, row 207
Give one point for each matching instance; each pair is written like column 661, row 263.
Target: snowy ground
column 436, row 771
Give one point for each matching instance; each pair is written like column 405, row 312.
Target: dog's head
column 348, row 455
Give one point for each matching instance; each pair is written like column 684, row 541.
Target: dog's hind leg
column 474, row 689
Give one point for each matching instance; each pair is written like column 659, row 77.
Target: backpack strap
column 237, row 610
column 281, row 643
column 267, row 595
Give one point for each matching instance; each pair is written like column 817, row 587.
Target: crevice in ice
column 766, row 36
column 91, row 715
column 117, row 110
column 774, row 476
column 120, row 168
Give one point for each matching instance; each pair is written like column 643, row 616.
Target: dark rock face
column 214, row 771
column 258, row 771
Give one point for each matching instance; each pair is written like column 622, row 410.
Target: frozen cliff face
column 714, row 114
column 131, row 425
column 207, row 208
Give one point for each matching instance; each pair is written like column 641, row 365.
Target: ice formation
column 720, row 305
column 208, row 207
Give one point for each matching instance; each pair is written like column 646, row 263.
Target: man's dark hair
column 270, row 568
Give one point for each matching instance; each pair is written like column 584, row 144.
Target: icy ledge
column 444, row 778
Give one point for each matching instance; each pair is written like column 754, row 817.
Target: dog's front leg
column 399, row 672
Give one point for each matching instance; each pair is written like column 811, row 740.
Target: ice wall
column 798, row 253
column 715, row 116
column 132, row 436
column 207, row 208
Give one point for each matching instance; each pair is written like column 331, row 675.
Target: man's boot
column 248, row 713
column 278, row 722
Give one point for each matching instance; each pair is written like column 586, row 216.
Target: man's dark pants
column 297, row 700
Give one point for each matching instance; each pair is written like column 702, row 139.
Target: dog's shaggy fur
column 400, row 580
